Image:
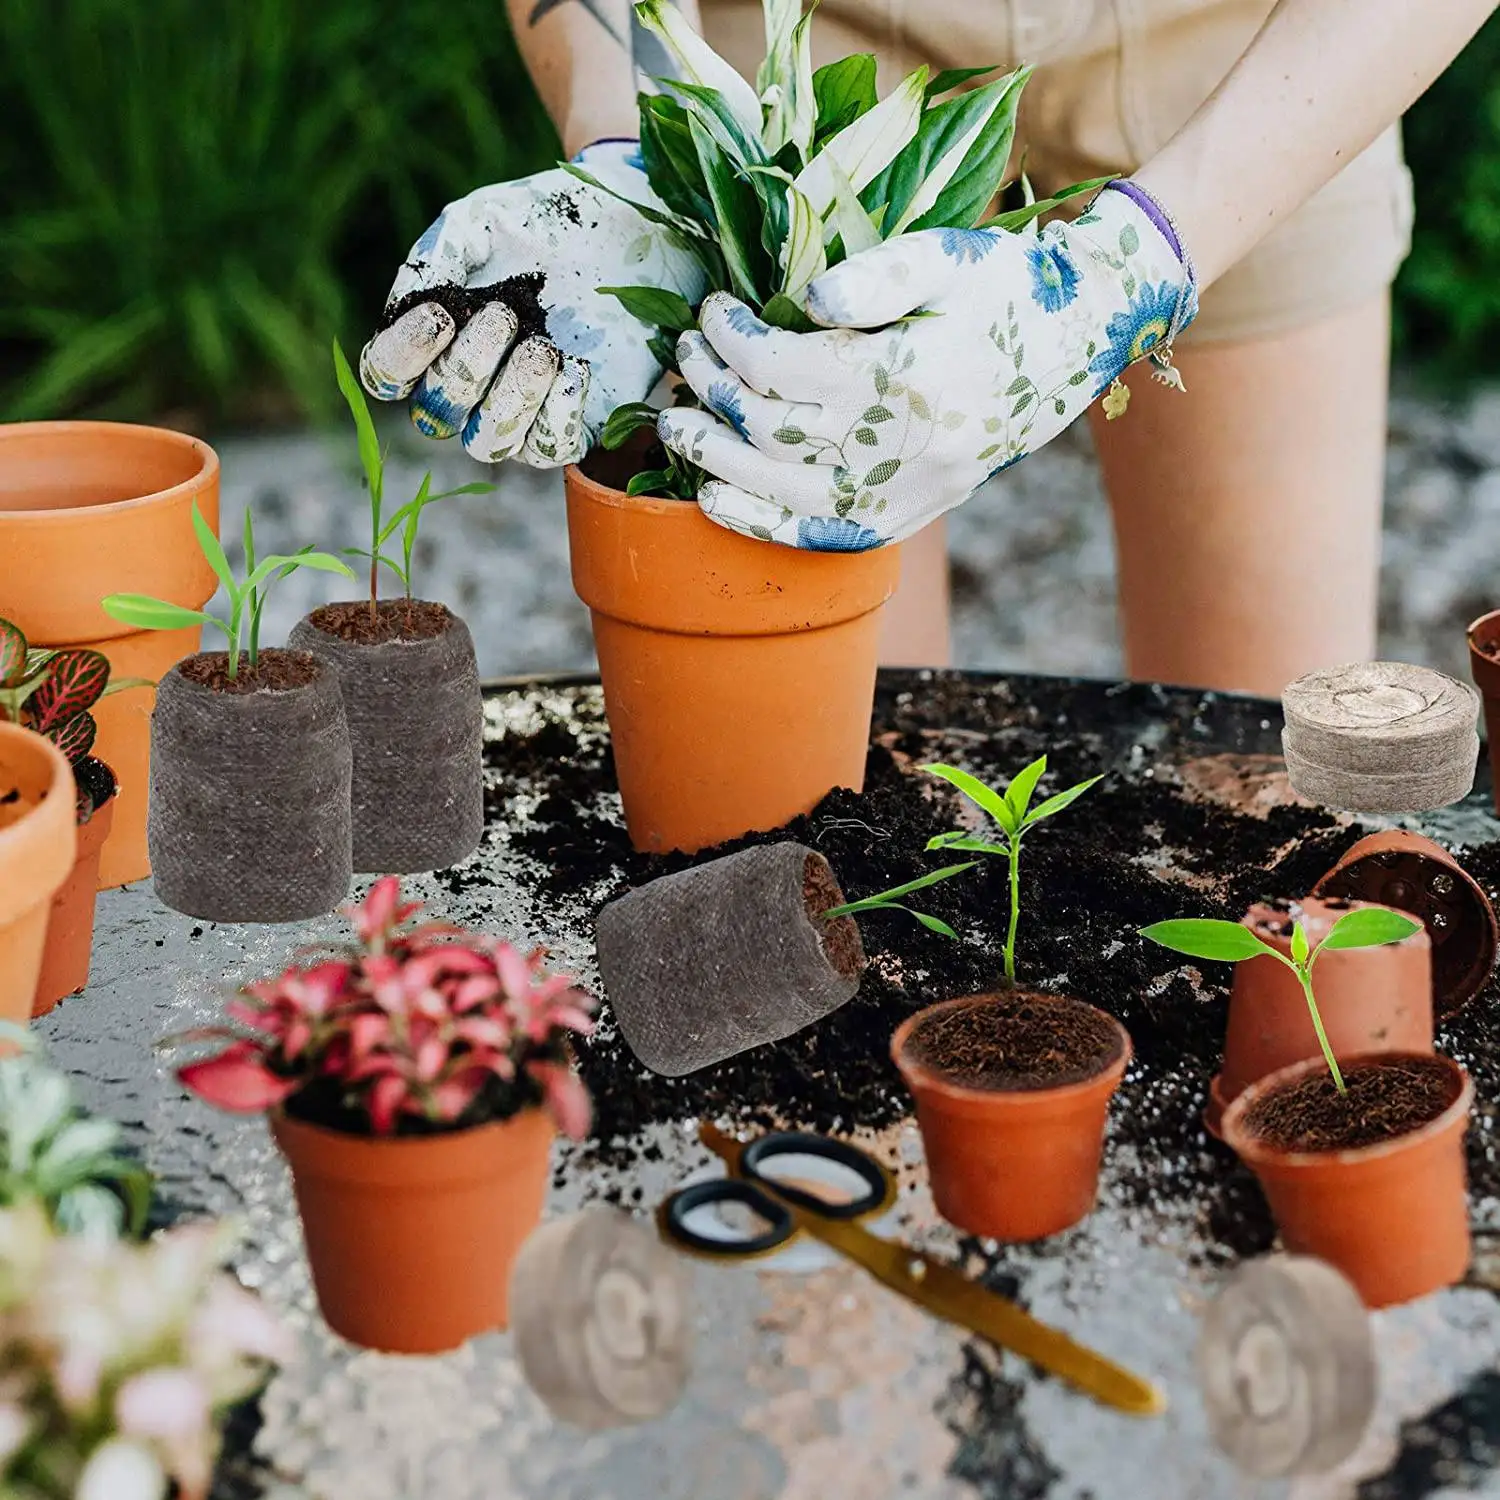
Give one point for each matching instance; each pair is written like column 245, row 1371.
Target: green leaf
column 1018, row 793
column 1019, row 218
column 209, row 543
column 972, row 187
column 782, row 312
column 1203, row 937
column 697, row 61
column 625, row 421
column 280, row 566
column 12, row 654
column 655, row 306
column 671, row 161
column 794, row 117
column 153, row 614
column 950, row 78
column 883, row 472
column 1369, row 927
column 1060, row 801
column 369, row 444
column 866, row 435
column 1130, row 241
column 802, row 258
column 932, row 924
column 648, row 480
column 864, row 149
column 849, row 222
column 845, row 90
column 1299, row 943
column 791, row 436
column 738, row 222
column 920, row 884
column 986, row 798
column 965, row 843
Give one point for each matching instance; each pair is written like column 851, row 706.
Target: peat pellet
column 248, row 817
column 1287, row 1367
column 1352, row 791
column 601, row 1311
column 705, row 964
column 416, row 725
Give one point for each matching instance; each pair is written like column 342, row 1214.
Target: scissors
column 789, row 1208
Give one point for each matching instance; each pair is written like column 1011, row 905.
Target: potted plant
column 122, row 1360
column 250, row 758
column 1012, row 1095
column 410, row 684
column 86, row 509
column 727, row 663
column 38, row 848
column 52, row 692
column 1484, row 664
column 413, row 1084
column 1374, row 986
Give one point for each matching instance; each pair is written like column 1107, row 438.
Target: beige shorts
column 1114, row 81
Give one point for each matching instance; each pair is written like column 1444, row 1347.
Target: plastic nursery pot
column 70, row 926
column 1012, row 1154
column 250, row 790
column 38, row 844
column 1370, row 999
column 1421, row 878
column 411, row 1239
column 410, row 685
column 705, row 964
column 1484, row 663
column 1392, row 1212
column 739, row 676
column 95, row 508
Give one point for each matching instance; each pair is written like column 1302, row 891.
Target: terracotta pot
column 37, row 850
column 739, row 676
column 1484, row 637
column 1370, row 999
column 1393, row 1217
column 1010, row 1165
column 70, row 928
column 411, row 1240
column 1421, row 878
column 95, row 508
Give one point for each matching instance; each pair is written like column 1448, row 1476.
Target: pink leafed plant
column 416, row 1028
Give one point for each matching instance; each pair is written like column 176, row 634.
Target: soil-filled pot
column 705, row 964
column 410, row 685
column 70, row 927
column 1484, row 663
column 1370, row 999
column 411, row 1239
column 1012, row 1096
column 250, row 789
column 1373, row 1182
column 739, row 675
column 95, row 508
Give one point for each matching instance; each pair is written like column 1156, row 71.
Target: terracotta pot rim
column 1419, row 938
column 20, row 834
column 1250, row 1149
column 1473, row 626
column 281, row 1120
column 607, row 494
column 919, row 1077
column 208, row 469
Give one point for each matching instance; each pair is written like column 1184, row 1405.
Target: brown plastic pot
column 38, row 845
column 411, row 1240
column 739, row 676
column 70, row 927
column 1370, row 999
column 95, row 508
column 1393, row 1217
column 1010, row 1165
column 1484, row 639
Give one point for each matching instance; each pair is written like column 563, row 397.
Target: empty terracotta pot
column 38, row 845
column 1370, row 999
column 70, row 927
column 1484, row 663
column 1012, row 1163
column 1393, row 1216
column 95, row 508
column 411, row 1239
column 739, row 676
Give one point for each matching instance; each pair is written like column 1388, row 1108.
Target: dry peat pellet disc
column 1352, row 791
column 1287, row 1365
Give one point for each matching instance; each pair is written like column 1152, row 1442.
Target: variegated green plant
column 772, row 184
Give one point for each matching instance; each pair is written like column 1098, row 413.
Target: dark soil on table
column 521, row 294
column 1381, row 1102
column 274, row 672
column 840, row 937
column 393, row 620
column 1015, row 1044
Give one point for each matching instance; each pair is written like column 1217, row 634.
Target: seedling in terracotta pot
column 1232, row 942
column 1013, row 813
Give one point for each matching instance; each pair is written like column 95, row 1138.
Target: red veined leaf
column 236, row 1080
column 567, row 1099
column 385, row 1100
column 75, row 736
column 12, row 654
column 75, row 682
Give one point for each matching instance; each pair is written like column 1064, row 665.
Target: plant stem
column 1015, row 910
column 1305, row 976
column 374, row 581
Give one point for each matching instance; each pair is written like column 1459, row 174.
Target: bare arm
column 586, row 58
column 1318, row 84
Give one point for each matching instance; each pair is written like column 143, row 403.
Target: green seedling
column 890, row 900
column 246, row 600
column 408, row 518
column 1233, row 942
column 1012, row 811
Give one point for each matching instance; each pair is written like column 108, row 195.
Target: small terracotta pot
column 739, row 676
column 70, row 927
column 1421, row 878
column 1484, row 637
column 95, row 508
column 1393, row 1217
column 1010, row 1165
column 411, row 1240
column 1370, row 999
column 37, row 851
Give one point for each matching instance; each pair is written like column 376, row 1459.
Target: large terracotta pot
column 70, row 928
column 1484, row 664
column 411, row 1240
column 38, row 844
column 95, row 508
column 739, row 676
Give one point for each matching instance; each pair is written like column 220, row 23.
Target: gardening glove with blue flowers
column 843, row 440
column 495, row 327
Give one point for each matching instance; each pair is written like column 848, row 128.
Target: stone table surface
column 809, row 1384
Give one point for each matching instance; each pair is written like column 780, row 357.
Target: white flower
column 122, row 1471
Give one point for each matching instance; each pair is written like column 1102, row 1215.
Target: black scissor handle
column 879, row 1188
column 674, row 1213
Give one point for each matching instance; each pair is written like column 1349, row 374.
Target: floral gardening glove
column 516, row 348
column 844, row 440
